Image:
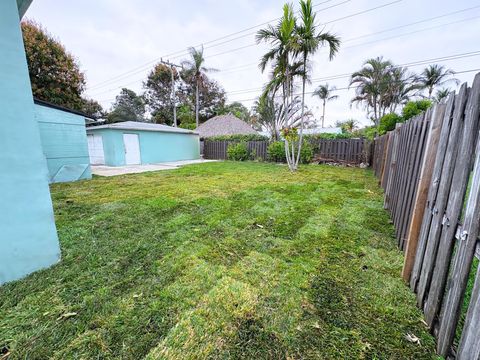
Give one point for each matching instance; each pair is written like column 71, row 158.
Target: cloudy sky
column 118, row 41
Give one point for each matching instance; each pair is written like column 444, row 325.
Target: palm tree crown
column 195, row 68
column 325, row 93
column 436, row 75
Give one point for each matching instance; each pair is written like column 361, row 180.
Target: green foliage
column 186, row 117
column 222, row 260
column 93, row 109
column 191, row 126
column 128, row 106
column 345, row 135
column 367, row 132
column 238, row 151
column 414, row 108
column 276, row 152
column 387, row 122
column 238, row 137
column 55, row 74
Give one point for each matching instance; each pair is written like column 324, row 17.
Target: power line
column 142, row 67
column 351, row 39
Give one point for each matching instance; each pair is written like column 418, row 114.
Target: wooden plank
column 466, row 246
column 433, row 191
column 452, row 216
column 442, row 196
column 393, row 167
column 425, row 179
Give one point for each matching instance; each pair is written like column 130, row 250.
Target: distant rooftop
column 223, row 125
column 141, row 126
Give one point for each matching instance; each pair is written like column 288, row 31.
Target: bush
column 250, row 137
column 387, row 123
column 276, row 152
column 414, row 108
column 188, row 126
column 238, row 152
column 328, row 136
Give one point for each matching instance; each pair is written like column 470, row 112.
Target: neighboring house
column 28, row 237
column 316, row 131
column 64, row 141
column 131, row 142
column 223, row 125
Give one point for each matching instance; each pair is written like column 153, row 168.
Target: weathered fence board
column 425, row 169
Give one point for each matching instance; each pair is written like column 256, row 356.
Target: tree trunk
column 323, row 114
column 196, row 104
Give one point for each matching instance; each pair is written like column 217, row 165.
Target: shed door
column 95, row 149
column 132, row 149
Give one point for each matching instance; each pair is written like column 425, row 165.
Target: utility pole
column 172, row 95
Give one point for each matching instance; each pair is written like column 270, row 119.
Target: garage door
column 95, row 149
column 132, row 149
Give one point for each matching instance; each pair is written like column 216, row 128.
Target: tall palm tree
column 325, row 93
column 371, row 85
column 436, row 75
column 282, row 41
column 195, row 68
column 310, row 39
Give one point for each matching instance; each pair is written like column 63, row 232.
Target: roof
column 330, row 130
column 23, row 6
column 88, row 118
column 141, row 126
column 224, row 125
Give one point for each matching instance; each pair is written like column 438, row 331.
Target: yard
column 219, row 260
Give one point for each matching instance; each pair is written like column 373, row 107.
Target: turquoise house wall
column 28, row 237
column 64, row 143
column 155, row 146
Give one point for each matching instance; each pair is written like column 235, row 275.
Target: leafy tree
column 325, row 93
column 436, row 75
column 388, row 122
column 128, row 106
column 237, row 109
column 93, row 109
column 441, row 94
column 186, row 117
column 414, row 108
column 195, row 71
column 158, row 93
column 54, row 73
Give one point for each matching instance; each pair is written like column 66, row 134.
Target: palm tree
column 282, row 40
column 441, row 94
column 349, row 125
column 436, row 75
column 325, row 93
column 310, row 39
column 195, row 68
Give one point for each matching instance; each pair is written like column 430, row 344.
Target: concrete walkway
column 102, row 170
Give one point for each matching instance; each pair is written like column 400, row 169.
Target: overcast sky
column 118, row 41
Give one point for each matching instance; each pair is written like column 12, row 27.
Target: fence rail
column 345, row 150
column 425, row 167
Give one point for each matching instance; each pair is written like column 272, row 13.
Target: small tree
column 325, row 93
column 128, row 106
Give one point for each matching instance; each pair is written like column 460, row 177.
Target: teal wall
column 155, row 146
column 64, row 143
column 28, row 238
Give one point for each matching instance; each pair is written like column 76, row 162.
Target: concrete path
column 102, row 170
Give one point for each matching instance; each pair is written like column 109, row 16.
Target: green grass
column 223, row 261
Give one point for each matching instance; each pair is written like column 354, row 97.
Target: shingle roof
column 224, row 125
column 141, row 126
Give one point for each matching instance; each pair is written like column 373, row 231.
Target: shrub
column 328, row 136
column 276, row 152
column 238, row 152
column 188, row 126
column 239, row 137
column 387, row 123
column 413, row 108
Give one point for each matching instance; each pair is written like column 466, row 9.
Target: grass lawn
column 219, row 260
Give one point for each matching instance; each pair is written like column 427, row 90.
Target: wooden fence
column 425, row 167
column 344, row 150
